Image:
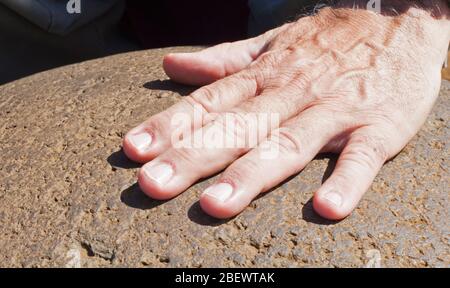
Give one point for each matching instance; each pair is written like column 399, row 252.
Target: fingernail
column 221, row 191
column 334, row 197
column 160, row 173
column 141, row 141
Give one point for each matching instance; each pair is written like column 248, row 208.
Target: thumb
column 211, row 64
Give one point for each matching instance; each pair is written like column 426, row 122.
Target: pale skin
column 346, row 81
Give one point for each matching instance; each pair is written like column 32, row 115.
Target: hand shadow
column 308, row 213
column 197, row 215
column 135, row 198
column 168, row 85
column 118, row 159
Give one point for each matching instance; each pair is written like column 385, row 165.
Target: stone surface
column 68, row 195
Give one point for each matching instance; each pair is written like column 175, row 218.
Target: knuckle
column 337, row 100
column 285, row 39
column 235, row 124
column 186, row 155
column 243, row 83
column 283, row 78
column 255, row 76
column 289, row 142
column 241, row 171
column 302, row 81
column 204, row 97
column 269, row 59
column 368, row 151
column 238, row 130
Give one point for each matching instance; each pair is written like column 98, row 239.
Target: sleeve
column 268, row 14
column 55, row 17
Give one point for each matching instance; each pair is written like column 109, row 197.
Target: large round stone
column 68, row 195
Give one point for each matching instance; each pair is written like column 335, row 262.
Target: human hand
column 344, row 81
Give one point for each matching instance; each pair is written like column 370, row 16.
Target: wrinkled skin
column 345, row 81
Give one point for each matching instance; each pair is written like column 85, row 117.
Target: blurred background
column 37, row 35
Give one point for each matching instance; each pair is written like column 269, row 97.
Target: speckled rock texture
column 68, row 195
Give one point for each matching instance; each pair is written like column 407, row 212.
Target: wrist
column 424, row 29
column 435, row 8
column 431, row 13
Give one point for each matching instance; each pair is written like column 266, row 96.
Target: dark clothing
column 41, row 34
column 160, row 23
